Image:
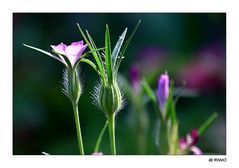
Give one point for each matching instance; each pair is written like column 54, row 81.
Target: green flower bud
column 110, row 98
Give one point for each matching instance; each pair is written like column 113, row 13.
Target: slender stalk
column 97, row 145
column 163, row 138
column 78, row 128
column 111, row 125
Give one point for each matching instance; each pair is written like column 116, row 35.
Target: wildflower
column 70, row 56
column 163, row 91
column 72, row 52
column 188, row 143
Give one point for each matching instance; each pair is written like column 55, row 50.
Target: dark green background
column 42, row 116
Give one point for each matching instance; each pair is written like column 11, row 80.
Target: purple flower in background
column 134, row 77
column 163, row 91
column 189, row 142
column 72, row 52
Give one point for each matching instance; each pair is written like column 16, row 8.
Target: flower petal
column 74, row 51
column 60, row 48
column 196, row 150
column 182, row 143
column 77, row 43
column 97, row 153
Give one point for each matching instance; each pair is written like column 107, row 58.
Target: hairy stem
column 78, row 128
column 111, row 125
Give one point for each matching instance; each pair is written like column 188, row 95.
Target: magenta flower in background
column 206, row 72
column 163, row 91
column 72, row 52
column 134, row 77
column 189, row 142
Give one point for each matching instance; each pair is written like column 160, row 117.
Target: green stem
column 78, row 129
column 111, row 125
column 163, row 139
column 97, row 145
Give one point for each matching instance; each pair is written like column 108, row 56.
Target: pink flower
column 72, row 52
column 189, row 142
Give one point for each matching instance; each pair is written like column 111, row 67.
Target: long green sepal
column 84, row 55
column 98, row 59
column 89, row 62
column 117, row 47
column 108, row 58
column 44, row 52
column 126, row 45
column 94, row 53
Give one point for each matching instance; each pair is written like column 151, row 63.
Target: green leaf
column 99, row 139
column 126, row 45
column 117, row 47
column 108, row 60
column 207, row 124
column 44, row 52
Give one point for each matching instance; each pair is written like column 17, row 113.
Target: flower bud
column 110, row 98
column 163, row 91
column 72, row 85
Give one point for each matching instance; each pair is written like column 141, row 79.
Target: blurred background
column 191, row 47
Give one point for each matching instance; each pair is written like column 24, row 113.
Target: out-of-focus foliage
column 191, row 47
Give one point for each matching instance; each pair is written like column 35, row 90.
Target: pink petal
column 77, row 43
column 60, row 48
column 182, row 143
column 196, row 150
column 97, row 153
column 74, row 51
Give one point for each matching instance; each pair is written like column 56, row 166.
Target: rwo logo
column 220, row 159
